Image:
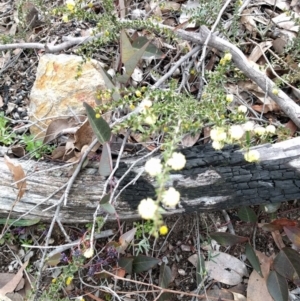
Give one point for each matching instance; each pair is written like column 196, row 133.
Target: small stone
column 56, row 91
column 181, row 272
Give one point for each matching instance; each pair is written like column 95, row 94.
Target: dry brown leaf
column 257, row 288
column 58, row 152
column 278, row 239
column 4, row 59
column 18, row 151
column 13, row 283
column 292, row 127
column 279, row 45
column 69, row 148
column 120, row 272
column 4, row 298
column 206, row 132
column 93, row 297
column 57, row 126
column 190, row 140
column 281, row 4
column 248, row 21
column 239, row 297
column 257, row 50
column 217, row 294
column 285, row 21
column 84, row 135
column 261, row 108
column 18, row 174
column 170, row 6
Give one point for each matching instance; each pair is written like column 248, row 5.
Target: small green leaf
column 247, row 214
column 227, row 239
column 54, row 260
column 200, row 269
column 100, row 127
column 165, row 276
column 277, row 286
column 126, row 264
column 151, row 51
column 271, row 208
column 105, row 199
column 109, row 208
column 127, row 51
column 287, row 264
column 142, row 263
column 131, row 64
column 20, row 223
column 253, row 259
column 105, row 205
column 105, row 166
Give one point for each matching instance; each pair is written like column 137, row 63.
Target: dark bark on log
column 211, row 180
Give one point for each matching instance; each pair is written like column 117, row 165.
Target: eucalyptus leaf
column 131, row 64
column 252, row 257
column 100, row 127
column 105, row 166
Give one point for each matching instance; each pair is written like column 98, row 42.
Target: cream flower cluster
column 145, row 105
column 147, row 208
column 221, row 135
column 236, row 132
column 177, row 161
column 242, row 109
column 149, row 118
column 226, row 58
column 251, row 156
column 171, row 197
column 153, row 167
column 218, row 135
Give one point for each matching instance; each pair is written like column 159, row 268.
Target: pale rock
column 56, row 92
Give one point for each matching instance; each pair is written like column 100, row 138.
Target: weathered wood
column 211, row 180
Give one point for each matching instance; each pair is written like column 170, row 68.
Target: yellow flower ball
column 275, row 91
column 163, row 230
column 69, row 280
column 70, row 5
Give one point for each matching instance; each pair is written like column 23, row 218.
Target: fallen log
column 211, row 180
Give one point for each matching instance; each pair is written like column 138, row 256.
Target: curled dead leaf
column 18, row 174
